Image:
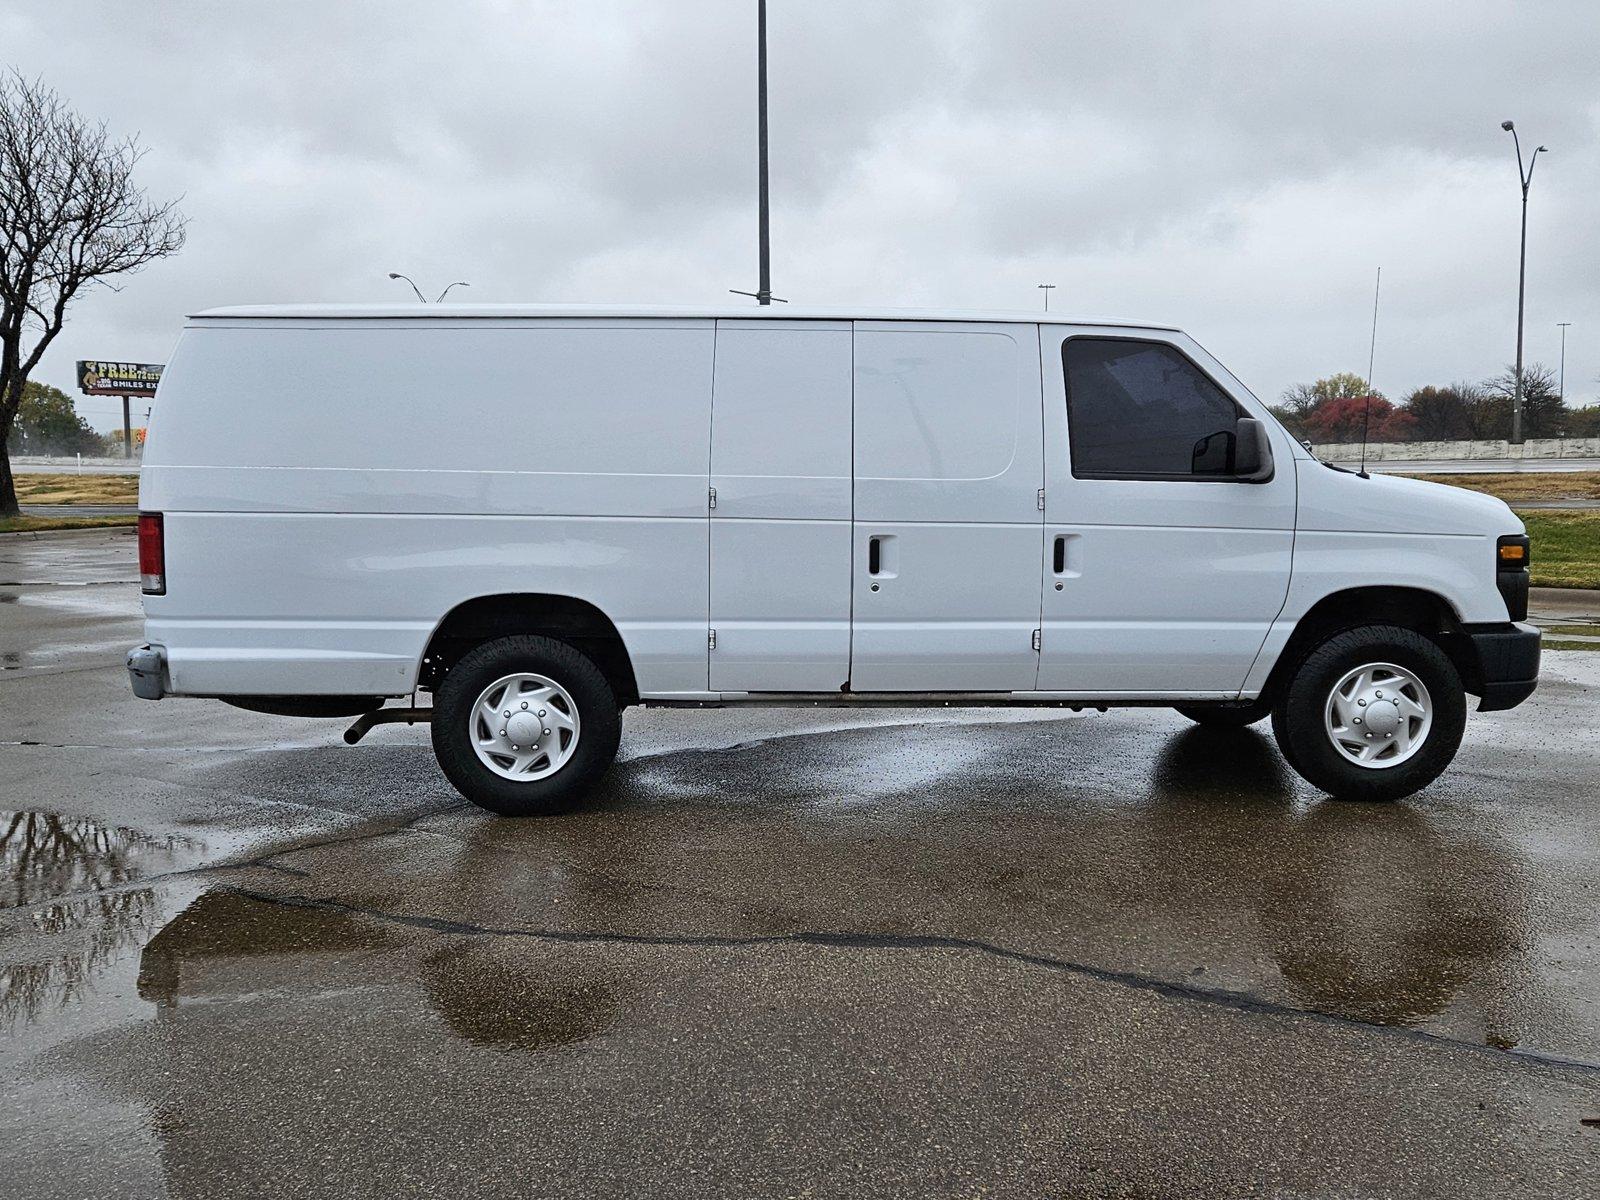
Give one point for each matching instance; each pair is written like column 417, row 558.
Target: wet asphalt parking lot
column 785, row 953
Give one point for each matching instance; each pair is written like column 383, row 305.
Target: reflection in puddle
column 1369, row 911
column 1213, row 853
column 216, row 947
column 44, row 854
column 516, row 995
column 90, row 934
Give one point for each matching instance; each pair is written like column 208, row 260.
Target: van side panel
column 333, row 488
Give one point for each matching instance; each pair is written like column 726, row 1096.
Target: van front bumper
column 1508, row 663
column 147, row 672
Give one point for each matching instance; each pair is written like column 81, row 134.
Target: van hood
column 1341, row 500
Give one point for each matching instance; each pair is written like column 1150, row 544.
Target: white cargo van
column 544, row 515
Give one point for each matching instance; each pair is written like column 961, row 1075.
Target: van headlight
column 1511, row 573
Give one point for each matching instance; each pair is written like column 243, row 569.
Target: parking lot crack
column 1223, row 998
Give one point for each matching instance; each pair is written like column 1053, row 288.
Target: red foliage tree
column 1340, row 420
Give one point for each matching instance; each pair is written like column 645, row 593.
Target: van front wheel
column 1374, row 713
column 525, row 725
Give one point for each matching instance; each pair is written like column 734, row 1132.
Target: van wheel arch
column 578, row 623
column 1416, row 609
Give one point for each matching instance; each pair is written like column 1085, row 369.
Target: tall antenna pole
column 1372, row 354
column 764, row 288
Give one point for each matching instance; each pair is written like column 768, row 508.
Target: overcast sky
column 1240, row 169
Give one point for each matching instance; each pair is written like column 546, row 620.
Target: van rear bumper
column 1508, row 663
column 147, row 672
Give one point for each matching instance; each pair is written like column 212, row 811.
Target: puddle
column 221, row 945
column 44, row 854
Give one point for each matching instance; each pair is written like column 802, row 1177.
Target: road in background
column 1480, row 466
column 71, row 466
column 80, row 510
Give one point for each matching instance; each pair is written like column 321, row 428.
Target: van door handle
column 1066, row 558
column 874, row 555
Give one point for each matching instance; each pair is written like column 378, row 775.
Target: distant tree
column 1584, row 422
column 70, row 217
column 1442, row 414
column 1342, row 419
column 47, row 423
column 1299, row 402
column 1542, row 410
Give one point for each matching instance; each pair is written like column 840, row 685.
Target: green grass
column 41, row 524
column 1580, row 630
column 1566, row 547
column 1547, row 644
column 1537, row 485
column 77, row 489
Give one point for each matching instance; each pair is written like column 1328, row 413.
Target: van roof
column 726, row 312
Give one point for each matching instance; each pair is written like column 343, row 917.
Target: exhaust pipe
column 386, row 716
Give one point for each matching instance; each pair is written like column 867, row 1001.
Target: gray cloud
column 1239, row 168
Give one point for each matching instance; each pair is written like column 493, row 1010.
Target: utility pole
column 1046, row 288
column 1526, row 178
column 1563, row 386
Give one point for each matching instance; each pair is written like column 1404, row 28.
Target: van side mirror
column 1252, row 454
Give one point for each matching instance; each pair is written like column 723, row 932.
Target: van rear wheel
column 1374, row 713
column 525, row 725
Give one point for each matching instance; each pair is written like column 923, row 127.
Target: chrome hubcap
column 524, row 727
column 1379, row 715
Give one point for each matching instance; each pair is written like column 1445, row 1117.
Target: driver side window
column 1142, row 410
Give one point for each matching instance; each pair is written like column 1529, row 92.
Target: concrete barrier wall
column 69, row 463
column 1453, row 451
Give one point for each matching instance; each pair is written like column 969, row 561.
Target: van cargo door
column 948, row 528
column 780, row 523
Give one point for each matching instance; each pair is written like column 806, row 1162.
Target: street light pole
column 764, row 287
column 1525, row 177
column 1046, row 288
column 396, row 275
column 1563, row 385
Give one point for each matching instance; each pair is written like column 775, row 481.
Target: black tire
column 1298, row 718
column 599, row 725
column 1234, row 715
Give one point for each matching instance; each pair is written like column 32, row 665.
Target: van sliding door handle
column 874, row 555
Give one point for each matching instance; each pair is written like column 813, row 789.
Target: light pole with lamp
column 421, row 299
column 396, row 275
column 1562, row 387
column 1526, row 178
column 1046, row 288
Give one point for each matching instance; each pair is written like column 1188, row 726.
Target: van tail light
column 152, row 555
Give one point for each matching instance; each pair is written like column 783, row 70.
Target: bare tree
column 70, row 217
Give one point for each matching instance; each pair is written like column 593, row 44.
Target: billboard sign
column 118, row 378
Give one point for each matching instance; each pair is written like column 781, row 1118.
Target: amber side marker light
column 1513, row 553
